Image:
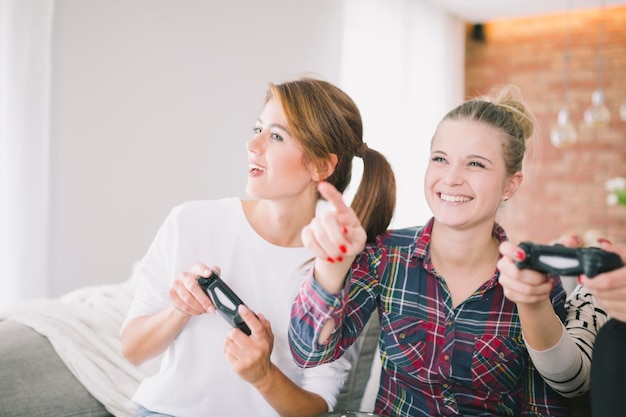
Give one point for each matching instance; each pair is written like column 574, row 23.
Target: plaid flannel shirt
column 437, row 360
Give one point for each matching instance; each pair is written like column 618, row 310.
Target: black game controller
column 560, row 260
column 224, row 299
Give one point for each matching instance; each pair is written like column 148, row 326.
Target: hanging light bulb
column 563, row 134
column 598, row 114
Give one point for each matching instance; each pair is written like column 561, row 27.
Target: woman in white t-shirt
column 309, row 130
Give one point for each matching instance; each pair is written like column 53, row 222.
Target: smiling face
column 277, row 169
column 466, row 177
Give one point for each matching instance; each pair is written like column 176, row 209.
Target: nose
column 254, row 145
column 453, row 175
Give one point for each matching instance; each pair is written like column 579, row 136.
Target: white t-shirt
column 195, row 379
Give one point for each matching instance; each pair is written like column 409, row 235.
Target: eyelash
column 471, row 163
column 257, row 130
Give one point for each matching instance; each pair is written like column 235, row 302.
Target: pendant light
column 564, row 134
column 598, row 114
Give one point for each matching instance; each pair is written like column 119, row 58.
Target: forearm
column 311, row 312
column 562, row 366
column 552, row 349
column 331, row 276
column 541, row 327
column 146, row 337
column 287, row 398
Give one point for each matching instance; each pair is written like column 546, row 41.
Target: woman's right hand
column 521, row 285
column 145, row 337
column 335, row 238
column 186, row 296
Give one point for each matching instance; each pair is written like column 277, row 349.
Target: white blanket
column 84, row 329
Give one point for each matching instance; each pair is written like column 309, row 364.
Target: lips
column 255, row 168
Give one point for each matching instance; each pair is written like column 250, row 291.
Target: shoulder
column 202, row 207
column 401, row 237
column 196, row 215
column 398, row 242
column 405, row 239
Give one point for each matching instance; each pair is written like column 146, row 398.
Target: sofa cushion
column 35, row 381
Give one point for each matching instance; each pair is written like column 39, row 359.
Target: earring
column 506, row 198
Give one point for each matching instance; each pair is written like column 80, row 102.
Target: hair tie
column 361, row 152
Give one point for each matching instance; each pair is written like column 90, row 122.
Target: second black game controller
column 564, row 261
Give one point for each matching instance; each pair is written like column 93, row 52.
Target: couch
column 60, row 358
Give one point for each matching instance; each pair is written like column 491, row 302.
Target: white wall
column 403, row 63
column 153, row 101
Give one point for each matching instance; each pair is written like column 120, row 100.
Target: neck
column 465, row 260
column 463, row 251
column 279, row 224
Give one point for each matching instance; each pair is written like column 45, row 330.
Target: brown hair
column 502, row 109
column 327, row 121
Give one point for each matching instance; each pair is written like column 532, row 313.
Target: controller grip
column 225, row 300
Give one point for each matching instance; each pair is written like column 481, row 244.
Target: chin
column 449, row 221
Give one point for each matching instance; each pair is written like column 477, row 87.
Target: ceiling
column 480, row 11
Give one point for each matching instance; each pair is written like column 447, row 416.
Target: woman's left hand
column 610, row 287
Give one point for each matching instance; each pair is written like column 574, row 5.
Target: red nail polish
column 520, row 255
column 331, row 260
column 339, row 259
column 343, row 249
column 603, row 240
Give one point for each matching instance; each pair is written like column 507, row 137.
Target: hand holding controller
column 224, row 299
column 561, row 260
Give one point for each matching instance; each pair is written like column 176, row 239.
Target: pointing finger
column 334, row 197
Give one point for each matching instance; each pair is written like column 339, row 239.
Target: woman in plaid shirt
column 450, row 341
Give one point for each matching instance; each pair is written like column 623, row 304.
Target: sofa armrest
column 35, row 381
column 352, row 393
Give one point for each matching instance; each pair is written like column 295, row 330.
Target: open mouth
column 255, row 168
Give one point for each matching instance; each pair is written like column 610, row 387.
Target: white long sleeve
column 566, row 366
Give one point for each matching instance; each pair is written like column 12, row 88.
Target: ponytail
column 375, row 199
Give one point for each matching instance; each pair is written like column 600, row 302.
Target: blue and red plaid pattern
column 437, row 359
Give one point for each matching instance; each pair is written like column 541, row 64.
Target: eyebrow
column 275, row 125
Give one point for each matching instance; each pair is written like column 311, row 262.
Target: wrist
column 265, row 384
column 332, row 275
column 177, row 314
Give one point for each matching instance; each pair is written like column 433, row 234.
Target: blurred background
column 113, row 112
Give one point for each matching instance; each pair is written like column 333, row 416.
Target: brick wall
column 563, row 190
